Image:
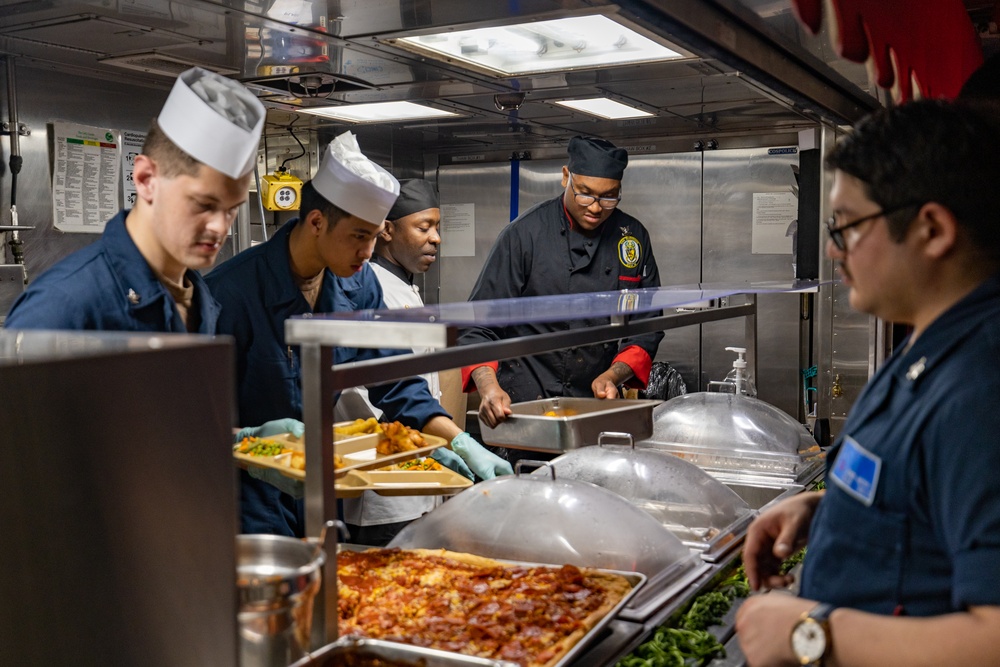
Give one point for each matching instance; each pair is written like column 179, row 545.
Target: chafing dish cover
column 727, row 421
column 541, row 520
column 679, row 495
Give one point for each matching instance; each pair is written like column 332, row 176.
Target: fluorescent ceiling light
column 542, row 46
column 605, row 108
column 379, row 112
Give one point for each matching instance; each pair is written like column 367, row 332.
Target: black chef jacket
column 543, row 252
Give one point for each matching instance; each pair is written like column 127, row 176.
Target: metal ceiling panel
column 98, row 34
column 306, row 53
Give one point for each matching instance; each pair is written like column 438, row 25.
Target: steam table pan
column 560, row 424
column 365, row 651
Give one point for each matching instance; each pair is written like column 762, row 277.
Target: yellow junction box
column 280, row 191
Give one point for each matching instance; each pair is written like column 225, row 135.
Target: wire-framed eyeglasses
column 588, row 200
column 837, row 233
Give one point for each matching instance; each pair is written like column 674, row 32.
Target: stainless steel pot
column 277, row 579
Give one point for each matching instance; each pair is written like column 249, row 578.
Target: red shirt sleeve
column 639, row 361
column 467, row 383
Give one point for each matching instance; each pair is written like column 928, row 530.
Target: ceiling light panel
column 380, row 112
column 542, row 46
column 604, row 108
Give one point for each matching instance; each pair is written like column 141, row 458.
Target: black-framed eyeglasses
column 837, row 233
column 588, row 200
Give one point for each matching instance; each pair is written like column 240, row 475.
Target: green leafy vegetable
column 689, row 644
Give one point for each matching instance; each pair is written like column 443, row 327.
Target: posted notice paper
column 458, row 230
column 131, row 147
column 773, row 212
column 85, row 177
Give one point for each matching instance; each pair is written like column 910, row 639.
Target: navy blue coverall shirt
column 108, row 286
column 910, row 523
column 258, row 293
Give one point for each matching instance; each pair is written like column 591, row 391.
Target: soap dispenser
column 739, row 377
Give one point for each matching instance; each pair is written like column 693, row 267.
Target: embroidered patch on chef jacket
column 856, row 471
column 629, row 252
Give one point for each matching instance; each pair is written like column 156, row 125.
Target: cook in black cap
column 593, row 180
column 590, row 156
column 409, row 243
column 577, row 242
column 407, row 246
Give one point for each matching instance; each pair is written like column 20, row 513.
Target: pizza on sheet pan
column 472, row 605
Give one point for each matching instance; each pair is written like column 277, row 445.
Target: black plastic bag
column 665, row 382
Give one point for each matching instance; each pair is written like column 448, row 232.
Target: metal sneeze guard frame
column 317, row 337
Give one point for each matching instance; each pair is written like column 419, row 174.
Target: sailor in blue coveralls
column 318, row 264
column 142, row 274
column 577, row 242
column 903, row 564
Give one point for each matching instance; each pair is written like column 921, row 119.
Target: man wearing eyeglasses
column 577, row 242
column 903, row 565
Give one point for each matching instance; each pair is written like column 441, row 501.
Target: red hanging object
column 931, row 44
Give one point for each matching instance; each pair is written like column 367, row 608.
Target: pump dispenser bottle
column 739, row 376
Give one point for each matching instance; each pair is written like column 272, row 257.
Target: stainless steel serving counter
column 437, row 327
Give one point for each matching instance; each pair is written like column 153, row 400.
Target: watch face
column 808, row 641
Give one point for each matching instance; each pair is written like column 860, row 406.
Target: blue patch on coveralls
column 856, row 471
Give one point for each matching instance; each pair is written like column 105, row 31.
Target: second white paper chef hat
column 350, row 181
column 215, row 120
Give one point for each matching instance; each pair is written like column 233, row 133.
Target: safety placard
column 85, row 177
column 131, row 147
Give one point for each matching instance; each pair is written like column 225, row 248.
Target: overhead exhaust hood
column 557, row 45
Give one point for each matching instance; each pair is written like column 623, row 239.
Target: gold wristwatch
column 811, row 640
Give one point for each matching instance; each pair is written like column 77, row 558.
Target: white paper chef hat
column 215, row 120
column 349, row 180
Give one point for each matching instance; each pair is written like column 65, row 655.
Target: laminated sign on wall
column 84, row 177
column 773, row 215
column 132, row 143
column 458, row 230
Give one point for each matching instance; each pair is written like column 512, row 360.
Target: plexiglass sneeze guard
column 438, row 327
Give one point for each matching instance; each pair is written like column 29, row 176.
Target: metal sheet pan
column 577, row 422
column 404, row 655
column 358, row 453
column 636, row 579
column 794, row 468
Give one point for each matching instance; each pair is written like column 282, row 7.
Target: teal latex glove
column 292, row 487
column 450, row 459
column 273, row 427
column 480, row 460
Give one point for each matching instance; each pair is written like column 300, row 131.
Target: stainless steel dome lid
column 537, row 519
column 682, row 497
column 729, row 422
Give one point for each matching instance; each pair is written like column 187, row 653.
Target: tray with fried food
column 366, row 444
column 282, row 452
column 396, row 443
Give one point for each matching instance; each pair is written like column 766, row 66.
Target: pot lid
column 538, row 519
column 679, row 495
column 729, row 422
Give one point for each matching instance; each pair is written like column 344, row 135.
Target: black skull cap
column 591, row 156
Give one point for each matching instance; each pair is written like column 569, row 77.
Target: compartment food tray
column 358, row 452
column 401, row 483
